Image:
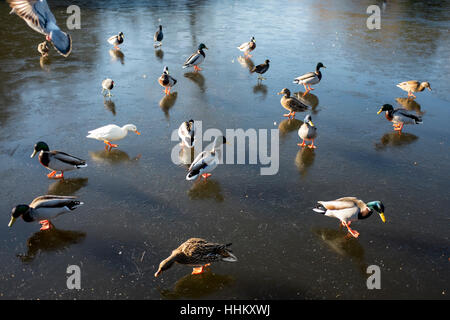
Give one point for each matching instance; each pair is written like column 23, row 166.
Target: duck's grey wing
column 52, row 201
column 408, row 115
column 306, row 76
column 197, row 159
column 192, row 59
column 67, row 158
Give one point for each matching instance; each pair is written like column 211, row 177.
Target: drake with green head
column 43, row 209
column 399, row 117
column 196, row 58
column 349, row 209
column 56, row 160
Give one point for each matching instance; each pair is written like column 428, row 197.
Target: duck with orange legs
column 399, row 117
column 198, row 253
column 43, row 209
column 196, row 58
column 349, row 209
column 56, row 160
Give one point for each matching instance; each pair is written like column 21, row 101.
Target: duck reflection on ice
column 246, row 63
column 186, row 155
column 117, row 55
column 109, row 105
column 197, row 286
column 349, row 247
column 44, row 62
column 206, row 189
column 197, row 78
column 113, row 157
column 159, row 54
column 304, row 160
column 410, row 104
column 167, row 102
column 260, row 88
column 393, row 139
column 50, row 240
column 289, row 125
column 311, row 100
column 67, row 187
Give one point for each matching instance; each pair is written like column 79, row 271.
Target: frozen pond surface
column 138, row 205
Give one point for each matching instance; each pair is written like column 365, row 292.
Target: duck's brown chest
column 388, row 116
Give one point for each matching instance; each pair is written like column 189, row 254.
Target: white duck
column 206, row 161
column 112, row 132
column 186, row 133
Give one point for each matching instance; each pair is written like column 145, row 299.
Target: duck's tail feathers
column 75, row 204
column 230, row 257
column 83, row 165
column 320, row 209
column 296, row 81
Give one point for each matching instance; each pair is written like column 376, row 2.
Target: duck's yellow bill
column 311, row 124
column 11, row 222
column 33, row 154
column 379, row 111
column 382, row 217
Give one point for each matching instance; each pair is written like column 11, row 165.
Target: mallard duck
column 413, row 86
column 186, row 133
column 158, row 37
column 261, row 68
column 43, row 209
column 116, row 40
column 199, row 253
column 196, row 58
column 56, row 160
column 291, row 104
column 399, row 117
column 38, row 16
column 111, row 132
column 350, row 209
column 43, row 49
column 166, row 80
column 206, row 161
column 107, row 84
column 307, row 132
column 247, row 47
column 310, row 78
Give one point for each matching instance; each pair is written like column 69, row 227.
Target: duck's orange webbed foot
column 201, row 269
column 46, row 225
column 51, row 174
column 60, row 176
column 206, row 175
column 110, row 145
column 302, row 144
column 354, row 233
column 312, row 146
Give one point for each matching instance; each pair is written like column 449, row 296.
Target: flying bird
column 38, row 16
